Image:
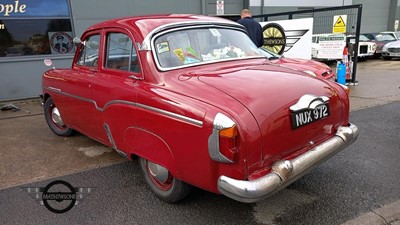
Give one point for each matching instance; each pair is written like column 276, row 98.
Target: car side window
column 121, row 54
column 89, row 53
column 370, row 37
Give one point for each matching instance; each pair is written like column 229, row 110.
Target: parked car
column 192, row 97
column 366, row 48
column 380, row 39
column 395, row 34
column 312, row 67
column 391, row 50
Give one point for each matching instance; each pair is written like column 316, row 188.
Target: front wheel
column 386, row 57
column 54, row 120
column 162, row 183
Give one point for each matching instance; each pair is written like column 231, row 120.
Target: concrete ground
column 23, row 160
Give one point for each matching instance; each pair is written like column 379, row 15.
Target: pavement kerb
column 387, row 214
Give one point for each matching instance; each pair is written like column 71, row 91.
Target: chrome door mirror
column 77, row 41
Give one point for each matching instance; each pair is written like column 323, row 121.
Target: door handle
column 133, row 77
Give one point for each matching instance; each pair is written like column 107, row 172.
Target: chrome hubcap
column 55, row 116
column 159, row 173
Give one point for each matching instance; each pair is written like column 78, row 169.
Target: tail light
column 222, row 144
column 227, row 143
column 347, row 89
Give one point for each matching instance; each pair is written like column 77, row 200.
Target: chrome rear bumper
column 286, row 172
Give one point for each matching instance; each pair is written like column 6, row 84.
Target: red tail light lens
column 222, row 143
column 227, row 143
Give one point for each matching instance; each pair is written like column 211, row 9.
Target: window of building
column 35, row 27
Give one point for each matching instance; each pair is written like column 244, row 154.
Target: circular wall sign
column 274, row 38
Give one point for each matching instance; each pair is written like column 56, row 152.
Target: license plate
column 394, row 54
column 307, row 116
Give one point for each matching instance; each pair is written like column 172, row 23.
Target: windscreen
column 195, row 46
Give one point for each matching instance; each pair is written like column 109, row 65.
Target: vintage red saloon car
column 198, row 104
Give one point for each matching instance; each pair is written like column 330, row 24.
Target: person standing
column 253, row 28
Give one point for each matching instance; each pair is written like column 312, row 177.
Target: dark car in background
column 380, row 39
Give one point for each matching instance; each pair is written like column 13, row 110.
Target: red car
column 311, row 67
column 192, row 97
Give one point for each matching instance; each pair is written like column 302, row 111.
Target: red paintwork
column 320, row 69
column 258, row 104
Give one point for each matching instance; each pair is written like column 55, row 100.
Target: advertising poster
column 291, row 38
column 331, row 47
column 61, row 42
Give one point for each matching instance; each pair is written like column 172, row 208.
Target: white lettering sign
column 6, row 9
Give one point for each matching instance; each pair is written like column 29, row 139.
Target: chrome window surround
column 220, row 122
column 148, row 43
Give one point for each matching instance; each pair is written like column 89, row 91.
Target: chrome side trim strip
column 121, row 153
column 54, row 89
column 109, row 135
column 70, row 95
column 111, row 139
column 134, row 104
column 171, row 114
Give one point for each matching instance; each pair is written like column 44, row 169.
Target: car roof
column 147, row 24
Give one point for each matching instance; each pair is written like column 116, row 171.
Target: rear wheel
column 162, row 183
column 54, row 120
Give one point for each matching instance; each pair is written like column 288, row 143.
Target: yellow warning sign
column 339, row 24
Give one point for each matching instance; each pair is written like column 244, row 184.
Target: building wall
column 88, row 12
column 394, row 14
column 377, row 16
column 22, row 79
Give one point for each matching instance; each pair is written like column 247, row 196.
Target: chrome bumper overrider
column 286, row 172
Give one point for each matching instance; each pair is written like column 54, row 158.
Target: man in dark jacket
column 253, row 28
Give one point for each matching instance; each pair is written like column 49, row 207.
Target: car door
column 78, row 105
column 115, row 86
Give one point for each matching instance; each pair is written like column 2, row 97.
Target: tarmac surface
column 23, row 161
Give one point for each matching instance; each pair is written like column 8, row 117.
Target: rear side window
column 89, row 53
column 121, row 54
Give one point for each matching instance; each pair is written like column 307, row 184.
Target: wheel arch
column 148, row 145
column 45, row 96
